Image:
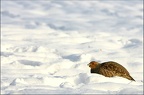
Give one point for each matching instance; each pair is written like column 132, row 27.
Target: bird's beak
column 88, row 64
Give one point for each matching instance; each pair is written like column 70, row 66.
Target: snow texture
column 47, row 44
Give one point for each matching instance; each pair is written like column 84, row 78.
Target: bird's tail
column 130, row 78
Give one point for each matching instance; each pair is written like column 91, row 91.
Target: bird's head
column 93, row 64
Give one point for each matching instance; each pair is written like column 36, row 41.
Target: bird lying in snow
column 109, row 69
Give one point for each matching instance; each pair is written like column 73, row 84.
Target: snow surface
column 46, row 46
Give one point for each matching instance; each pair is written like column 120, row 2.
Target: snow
column 46, row 46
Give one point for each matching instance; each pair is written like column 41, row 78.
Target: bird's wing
column 112, row 69
column 106, row 72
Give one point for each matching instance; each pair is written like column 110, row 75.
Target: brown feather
column 110, row 69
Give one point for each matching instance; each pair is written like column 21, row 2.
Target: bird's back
column 110, row 69
column 114, row 67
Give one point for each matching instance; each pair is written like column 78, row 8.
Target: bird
column 110, row 69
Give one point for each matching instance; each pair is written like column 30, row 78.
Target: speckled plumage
column 110, row 69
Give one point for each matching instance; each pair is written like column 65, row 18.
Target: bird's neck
column 95, row 70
